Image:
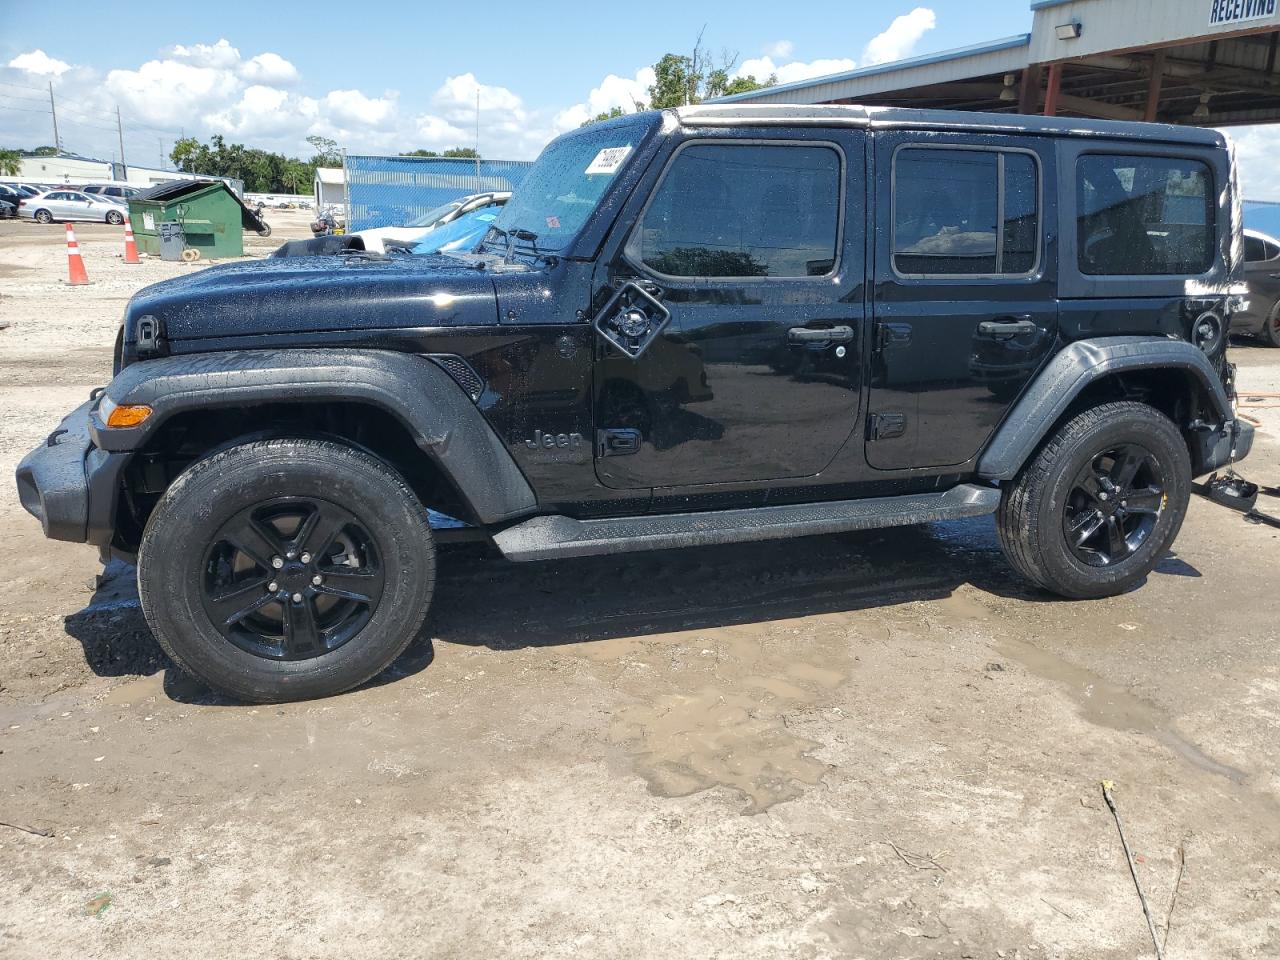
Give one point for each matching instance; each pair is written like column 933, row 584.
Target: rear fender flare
column 442, row 419
column 1074, row 368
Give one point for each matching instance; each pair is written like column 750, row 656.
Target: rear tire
column 115, row 218
column 221, row 537
column 1270, row 332
column 44, row 216
column 1073, row 523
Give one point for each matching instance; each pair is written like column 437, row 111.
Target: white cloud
column 269, row 68
column 39, row 62
column 221, row 54
column 351, row 107
column 171, row 92
column 613, row 91
column 900, row 38
column 781, row 49
column 1256, row 149
column 764, row 67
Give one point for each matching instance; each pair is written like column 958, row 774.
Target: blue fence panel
column 391, row 191
column 1263, row 216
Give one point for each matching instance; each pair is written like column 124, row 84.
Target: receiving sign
column 1239, row 11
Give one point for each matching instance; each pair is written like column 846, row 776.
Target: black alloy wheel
column 1114, row 505
column 292, row 578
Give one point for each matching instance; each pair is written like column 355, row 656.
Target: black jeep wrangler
column 688, row 327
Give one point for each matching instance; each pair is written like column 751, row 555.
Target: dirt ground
column 866, row 746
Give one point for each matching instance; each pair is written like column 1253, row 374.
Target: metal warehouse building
column 1209, row 63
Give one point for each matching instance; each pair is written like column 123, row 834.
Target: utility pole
column 124, row 170
column 57, row 144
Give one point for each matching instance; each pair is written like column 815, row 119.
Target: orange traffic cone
column 130, row 247
column 75, row 264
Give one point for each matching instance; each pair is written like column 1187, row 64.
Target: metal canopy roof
column 1176, row 61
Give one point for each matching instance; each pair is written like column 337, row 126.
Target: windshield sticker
column 553, row 222
column 609, row 160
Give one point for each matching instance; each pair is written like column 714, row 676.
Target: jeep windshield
column 564, row 186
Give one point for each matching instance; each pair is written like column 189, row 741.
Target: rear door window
column 965, row 212
column 1144, row 216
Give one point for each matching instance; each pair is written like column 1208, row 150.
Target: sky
column 392, row 76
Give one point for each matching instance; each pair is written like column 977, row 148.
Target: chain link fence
column 392, row 191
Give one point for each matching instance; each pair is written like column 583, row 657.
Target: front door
column 965, row 304
column 730, row 346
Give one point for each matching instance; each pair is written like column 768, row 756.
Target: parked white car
column 415, row 230
column 72, row 205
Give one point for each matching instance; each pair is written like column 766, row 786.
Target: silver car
column 71, row 205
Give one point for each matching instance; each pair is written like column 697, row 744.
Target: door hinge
column 617, row 443
column 886, row 426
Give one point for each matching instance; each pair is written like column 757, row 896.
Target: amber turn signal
column 128, row 416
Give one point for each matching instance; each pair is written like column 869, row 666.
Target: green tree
column 10, row 163
column 327, row 153
column 676, row 82
column 44, row 152
column 604, row 115
column 464, row 153
column 681, row 80
column 420, row 153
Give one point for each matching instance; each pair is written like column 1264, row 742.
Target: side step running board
column 544, row 538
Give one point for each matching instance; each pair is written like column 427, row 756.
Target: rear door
column 964, row 305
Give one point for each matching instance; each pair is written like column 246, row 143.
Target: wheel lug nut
column 305, row 558
column 297, row 598
column 291, row 554
column 1102, row 496
column 277, row 562
column 317, row 580
column 272, row 587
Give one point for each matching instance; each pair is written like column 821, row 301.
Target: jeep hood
column 316, row 294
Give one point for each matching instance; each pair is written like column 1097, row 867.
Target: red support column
column 1153, row 87
column 1029, row 94
column 1054, row 88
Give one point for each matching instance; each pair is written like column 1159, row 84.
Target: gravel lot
column 877, row 746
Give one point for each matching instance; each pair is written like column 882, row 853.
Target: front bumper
column 1213, row 449
column 70, row 485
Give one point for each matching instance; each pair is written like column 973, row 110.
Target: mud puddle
column 723, row 720
column 1113, row 706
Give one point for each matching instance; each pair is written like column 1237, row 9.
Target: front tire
column 286, row 569
column 1097, row 507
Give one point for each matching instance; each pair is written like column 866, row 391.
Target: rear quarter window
column 1144, row 216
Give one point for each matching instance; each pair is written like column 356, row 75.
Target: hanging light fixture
column 1201, row 111
column 1007, row 95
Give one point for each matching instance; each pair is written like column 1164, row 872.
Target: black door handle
column 1007, row 328
column 820, row 334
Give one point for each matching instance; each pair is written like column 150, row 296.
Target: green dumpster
column 212, row 217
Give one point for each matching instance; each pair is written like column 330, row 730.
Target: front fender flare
column 1070, row 372
column 419, row 393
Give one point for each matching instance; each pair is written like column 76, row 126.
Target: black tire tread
column 345, row 457
column 1017, row 522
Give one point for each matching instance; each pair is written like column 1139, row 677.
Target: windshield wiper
column 524, row 236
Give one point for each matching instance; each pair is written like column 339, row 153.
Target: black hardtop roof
column 768, row 114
